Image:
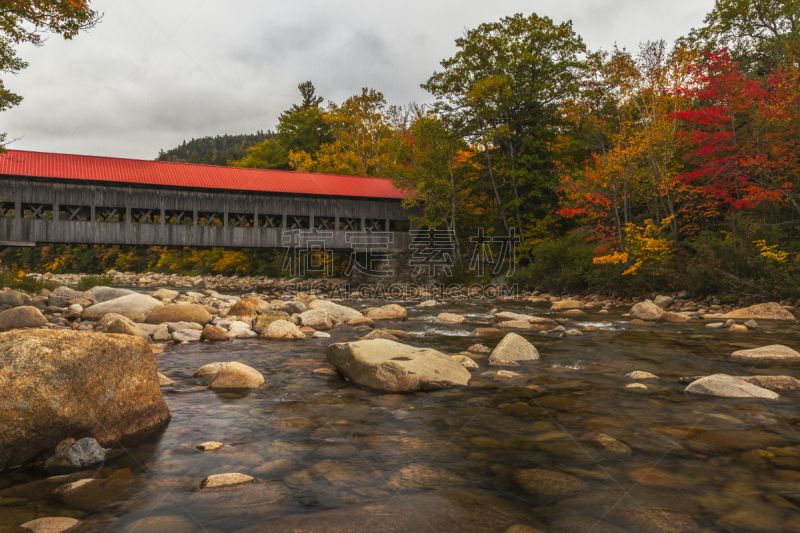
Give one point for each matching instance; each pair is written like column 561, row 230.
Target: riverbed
column 330, row 456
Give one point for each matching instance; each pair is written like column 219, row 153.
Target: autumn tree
column 364, row 134
column 743, row 139
column 26, row 21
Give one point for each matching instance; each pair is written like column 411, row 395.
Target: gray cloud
column 125, row 89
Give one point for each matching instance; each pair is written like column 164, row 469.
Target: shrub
column 90, row 282
column 19, row 281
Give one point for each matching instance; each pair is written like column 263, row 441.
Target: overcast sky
column 156, row 72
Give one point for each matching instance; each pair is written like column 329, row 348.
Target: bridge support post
column 17, row 220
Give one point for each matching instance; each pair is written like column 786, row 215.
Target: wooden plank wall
column 128, row 198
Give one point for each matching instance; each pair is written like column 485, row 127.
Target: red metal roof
column 109, row 169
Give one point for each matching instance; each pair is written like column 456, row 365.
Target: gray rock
column 391, row 366
column 62, row 295
column 715, row 325
column 752, row 324
column 664, row 301
column 105, row 294
column 188, row 335
column 134, row 306
column 724, row 386
column 514, row 348
column 85, row 453
column 14, row 298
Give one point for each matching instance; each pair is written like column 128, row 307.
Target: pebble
column 210, row 446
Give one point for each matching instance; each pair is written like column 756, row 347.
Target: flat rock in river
column 777, row 353
column 724, row 386
column 386, row 365
column 60, row 384
column 768, row 311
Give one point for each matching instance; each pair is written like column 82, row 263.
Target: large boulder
column 724, row 386
column 237, row 376
column 21, row 317
column 62, row 384
column 564, row 305
column 14, row 298
column 777, row 353
column 250, row 307
column 390, row 366
column 179, row 313
column 768, row 311
column 105, row 294
column 263, row 321
column 514, row 348
column 318, row 319
column 340, row 313
column 646, row 310
column 62, row 295
column 282, row 330
column 388, row 312
column 134, row 306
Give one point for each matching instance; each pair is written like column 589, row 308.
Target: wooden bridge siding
column 193, row 202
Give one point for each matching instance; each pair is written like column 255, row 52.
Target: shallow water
column 451, row 460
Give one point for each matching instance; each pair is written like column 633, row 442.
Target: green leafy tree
column 759, row 34
column 25, row 21
column 302, row 128
column 503, row 91
column 438, row 167
column 216, row 151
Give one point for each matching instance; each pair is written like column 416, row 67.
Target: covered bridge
column 62, row 198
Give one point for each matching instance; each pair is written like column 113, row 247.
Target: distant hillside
column 214, row 150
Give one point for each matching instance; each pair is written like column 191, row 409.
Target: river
column 330, row 456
